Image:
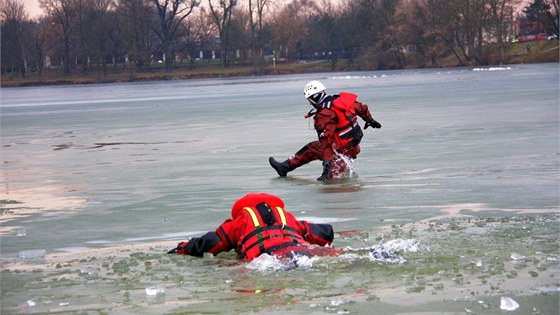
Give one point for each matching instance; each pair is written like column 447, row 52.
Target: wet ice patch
column 318, row 220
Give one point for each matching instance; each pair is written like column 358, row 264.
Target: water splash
column 342, row 166
column 388, row 252
column 267, row 262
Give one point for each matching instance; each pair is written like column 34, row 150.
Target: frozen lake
column 466, row 165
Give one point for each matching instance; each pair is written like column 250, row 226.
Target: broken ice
column 508, row 304
column 516, row 256
column 153, row 291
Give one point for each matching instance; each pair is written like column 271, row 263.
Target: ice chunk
column 157, row 290
column 31, row 303
column 337, row 302
column 516, row 256
column 508, row 304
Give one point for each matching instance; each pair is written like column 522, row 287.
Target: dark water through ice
column 106, row 165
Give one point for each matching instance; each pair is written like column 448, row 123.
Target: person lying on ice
column 337, row 127
column 259, row 224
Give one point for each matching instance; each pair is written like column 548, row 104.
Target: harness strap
column 287, row 229
column 271, row 250
column 257, row 228
column 293, row 242
column 284, row 228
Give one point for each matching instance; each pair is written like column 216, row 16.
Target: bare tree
column 468, row 21
column 325, row 35
column 63, row 12
column 553, row 15
column 171, row 14
column 256, row 26
column 222, row 13
column 502, row 12
column 139, row 38
column 40, row 36
column 14, row 17
column 291, row 27
column 419, row 24
column 98, row 18
column 195, row 35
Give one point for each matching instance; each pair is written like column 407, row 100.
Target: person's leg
column 309, row 152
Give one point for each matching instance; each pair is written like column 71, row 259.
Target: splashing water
column 343, row 167
column 387, row 252
column 267, row 262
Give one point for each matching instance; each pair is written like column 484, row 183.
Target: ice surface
column 454, row 142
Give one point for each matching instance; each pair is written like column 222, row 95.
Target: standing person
column 336, row 123
column 259, row 224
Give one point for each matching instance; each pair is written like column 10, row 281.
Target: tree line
column 92, row 35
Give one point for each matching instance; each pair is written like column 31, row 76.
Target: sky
column 32, row 7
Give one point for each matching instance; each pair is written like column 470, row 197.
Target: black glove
column 180, row 249
column 326, row 170
column 372, row 123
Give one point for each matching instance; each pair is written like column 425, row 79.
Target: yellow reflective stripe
column 253, row 216
column 282, row 216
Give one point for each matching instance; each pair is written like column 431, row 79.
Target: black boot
column 281, row 168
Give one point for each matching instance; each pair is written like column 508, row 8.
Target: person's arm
column 320, row 234
column 362, row 110
column 222, row 240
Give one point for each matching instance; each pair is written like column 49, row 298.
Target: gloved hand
column 180, row 249
column 372, row 123
column 326, row 170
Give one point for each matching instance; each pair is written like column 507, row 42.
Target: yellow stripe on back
column 282, row 216
column 253, row 216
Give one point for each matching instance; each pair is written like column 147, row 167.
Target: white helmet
column 312, row 88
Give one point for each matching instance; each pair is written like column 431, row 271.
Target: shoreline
column 543, row 52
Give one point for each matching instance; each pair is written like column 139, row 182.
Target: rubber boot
column 281, row 168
